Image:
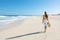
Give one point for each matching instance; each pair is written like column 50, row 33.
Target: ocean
column 5, row 21
column 10, row 18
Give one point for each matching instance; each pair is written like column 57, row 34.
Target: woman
column 45, row 21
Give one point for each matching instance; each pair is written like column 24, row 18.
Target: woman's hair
column 45, row 13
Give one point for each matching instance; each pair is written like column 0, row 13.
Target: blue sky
column 29, row 7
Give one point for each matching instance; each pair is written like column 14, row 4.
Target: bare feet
column 44, row 30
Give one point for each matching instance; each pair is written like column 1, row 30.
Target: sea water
column 6, row 20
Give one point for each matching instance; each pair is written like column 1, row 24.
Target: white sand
column 31, row 25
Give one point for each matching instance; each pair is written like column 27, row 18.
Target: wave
column 11, row 21
column 11, row 18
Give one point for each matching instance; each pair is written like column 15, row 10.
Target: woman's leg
column 45, row 29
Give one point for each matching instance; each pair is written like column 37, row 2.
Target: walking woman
column 45, row 21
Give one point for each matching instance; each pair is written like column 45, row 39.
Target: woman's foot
column 45, row 31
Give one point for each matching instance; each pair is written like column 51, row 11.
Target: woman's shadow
column 25, row 35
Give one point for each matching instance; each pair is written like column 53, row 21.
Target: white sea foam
column 11, row 18
column 5, row 21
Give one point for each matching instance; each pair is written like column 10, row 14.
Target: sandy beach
column 32, row 29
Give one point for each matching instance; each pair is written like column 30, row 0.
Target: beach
column 32, row 29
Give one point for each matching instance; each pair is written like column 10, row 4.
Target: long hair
column 46, row 15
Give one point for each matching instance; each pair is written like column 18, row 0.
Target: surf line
column 24, row 35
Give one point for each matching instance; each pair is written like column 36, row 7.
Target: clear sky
column 29, row 7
